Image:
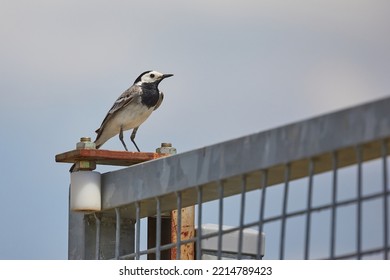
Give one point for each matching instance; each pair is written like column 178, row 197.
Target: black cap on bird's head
column 151, row 77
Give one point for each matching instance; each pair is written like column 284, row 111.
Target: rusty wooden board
column 107, row 157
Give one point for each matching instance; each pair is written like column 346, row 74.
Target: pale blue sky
column 240, row 67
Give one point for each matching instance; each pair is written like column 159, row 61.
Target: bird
column 132, row 108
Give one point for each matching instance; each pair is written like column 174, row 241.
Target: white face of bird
column 152, row 77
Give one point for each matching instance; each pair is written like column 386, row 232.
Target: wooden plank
column 107, row 157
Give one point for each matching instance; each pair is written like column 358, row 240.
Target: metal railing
column 317, row 189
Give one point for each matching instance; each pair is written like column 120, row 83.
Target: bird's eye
column 151, row 75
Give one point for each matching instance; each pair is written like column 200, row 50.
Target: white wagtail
column 132, row 108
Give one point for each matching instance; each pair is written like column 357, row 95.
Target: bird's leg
column 121, row 138
column 133, row 136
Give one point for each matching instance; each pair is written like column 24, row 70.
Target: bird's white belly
column 132, row 116
column 129, row 117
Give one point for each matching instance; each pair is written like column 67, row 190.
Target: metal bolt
column 85, row 139
column 166, row 145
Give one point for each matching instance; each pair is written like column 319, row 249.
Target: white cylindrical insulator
column 85, row 191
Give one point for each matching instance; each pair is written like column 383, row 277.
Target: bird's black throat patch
column 150, row 95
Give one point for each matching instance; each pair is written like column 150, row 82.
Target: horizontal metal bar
column 149, row 251
column 363, row 253
column 191, row 240
column 294, row 143
column 325, row 207
column 171, row 245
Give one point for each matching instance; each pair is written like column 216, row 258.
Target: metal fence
column 317, row 189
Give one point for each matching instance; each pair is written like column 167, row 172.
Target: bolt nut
column 85, row 165
column 166, row 148
column 85, row 143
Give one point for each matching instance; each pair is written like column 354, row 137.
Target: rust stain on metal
column 187, row 251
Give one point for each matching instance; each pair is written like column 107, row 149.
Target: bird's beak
column 166, row 75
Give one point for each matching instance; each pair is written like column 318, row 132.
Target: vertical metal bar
column 242, row 216
column 284, row 210
column 178, row 230
column 137, row 230
column 308, row 212
column 158, row 229
column 97, row 243
column 264, row 182
column 359, row 203
column 117, row 232
column 334, row 200
column 220, row 220
column 199, row 230
column 385, row 206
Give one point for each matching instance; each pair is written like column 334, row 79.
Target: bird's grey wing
column 123, row 100
column 160, row 100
